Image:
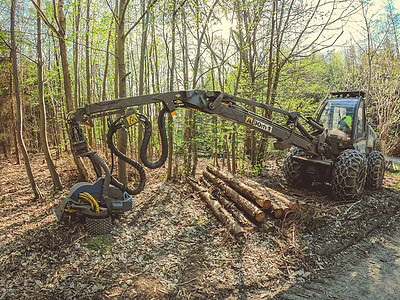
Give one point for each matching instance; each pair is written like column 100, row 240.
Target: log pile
column 238, row 205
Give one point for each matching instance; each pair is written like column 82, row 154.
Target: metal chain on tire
column 293, row 170
column 375, row 170
column 349, row 175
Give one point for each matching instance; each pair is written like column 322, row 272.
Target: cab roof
column 352, row 94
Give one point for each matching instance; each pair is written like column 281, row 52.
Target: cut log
column 247, row 191
column 231, row 207
column 284, row 199
column 244, row 204
column 220, row 212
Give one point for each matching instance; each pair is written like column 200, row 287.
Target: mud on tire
column 375, row 170
column 293, row 170
column 349, row 175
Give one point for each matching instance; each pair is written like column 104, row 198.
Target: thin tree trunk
column 61, row 99
column 234, row 149
column 76, row 51
column 15, row 132
column 36, row 191
column 88, row 69
column 171, row 88
column 142, row 64
column 226, row 146
column 67, row 81
column 104, row 93
column 187, row 134
column 43, row 126
column 122, row 136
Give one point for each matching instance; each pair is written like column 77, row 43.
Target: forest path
column 370, row 270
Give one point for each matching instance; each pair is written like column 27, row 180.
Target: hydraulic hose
column 146, row 139
column 142, row 175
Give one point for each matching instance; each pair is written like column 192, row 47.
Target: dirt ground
column 171, row 246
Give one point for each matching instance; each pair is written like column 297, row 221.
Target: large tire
column 349, row 175
column 294, row 170
column 375, row 170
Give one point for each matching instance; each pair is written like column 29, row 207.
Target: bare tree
column 43, row 126
column 36, row 191
column 61, row 33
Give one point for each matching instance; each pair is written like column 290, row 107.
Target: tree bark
column 220, row 212
column 247, row 191
column 248, row 207
column 36, row 191
column 229, row 205
column 104, row 93
column 43, row 126
column 76, row 52
column 171, row 88
column 83, row 175
column 88, row 71
column 122, row 136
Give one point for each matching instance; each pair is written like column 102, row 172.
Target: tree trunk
column 76, row 51
column 67, row 80
column 43, row 126
column 171, row 88
column 234, row 149
column 227, row 154
column 104, row 93
column 36, row 191
column 15, row 131
column 142, row 65
column 122, row 136
column 88, row 71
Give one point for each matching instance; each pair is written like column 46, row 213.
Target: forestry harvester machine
column 337, row 147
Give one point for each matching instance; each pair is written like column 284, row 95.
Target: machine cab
column 343, row 115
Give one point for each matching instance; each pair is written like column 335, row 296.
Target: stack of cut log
column 237, row 204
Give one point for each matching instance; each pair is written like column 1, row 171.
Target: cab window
column 360, row 121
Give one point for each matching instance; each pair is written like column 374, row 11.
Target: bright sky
column 355, row 29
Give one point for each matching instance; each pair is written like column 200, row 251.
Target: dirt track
column 369, row 270
column 170, row 246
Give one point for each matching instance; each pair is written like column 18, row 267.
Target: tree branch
column 44, row 18
column 141, row 17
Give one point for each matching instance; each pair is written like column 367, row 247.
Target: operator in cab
column 345, row 124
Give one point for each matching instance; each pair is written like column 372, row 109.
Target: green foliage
column 102, row 243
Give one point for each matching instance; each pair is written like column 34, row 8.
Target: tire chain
column 349, row 175
column 375, row 170
column 292, row 169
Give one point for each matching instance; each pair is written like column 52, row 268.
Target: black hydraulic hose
column 142, row 175
column 146, row 139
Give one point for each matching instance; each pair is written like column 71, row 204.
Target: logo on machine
column 249, row 120
column 258, row 124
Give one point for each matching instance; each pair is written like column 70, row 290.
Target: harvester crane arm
column 222, row 105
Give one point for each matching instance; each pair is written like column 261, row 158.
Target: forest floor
column 170, row 246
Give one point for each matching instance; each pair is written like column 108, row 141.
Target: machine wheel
column 349, row 175
column 375, row 170
column 294, row 171
column 98, row 226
